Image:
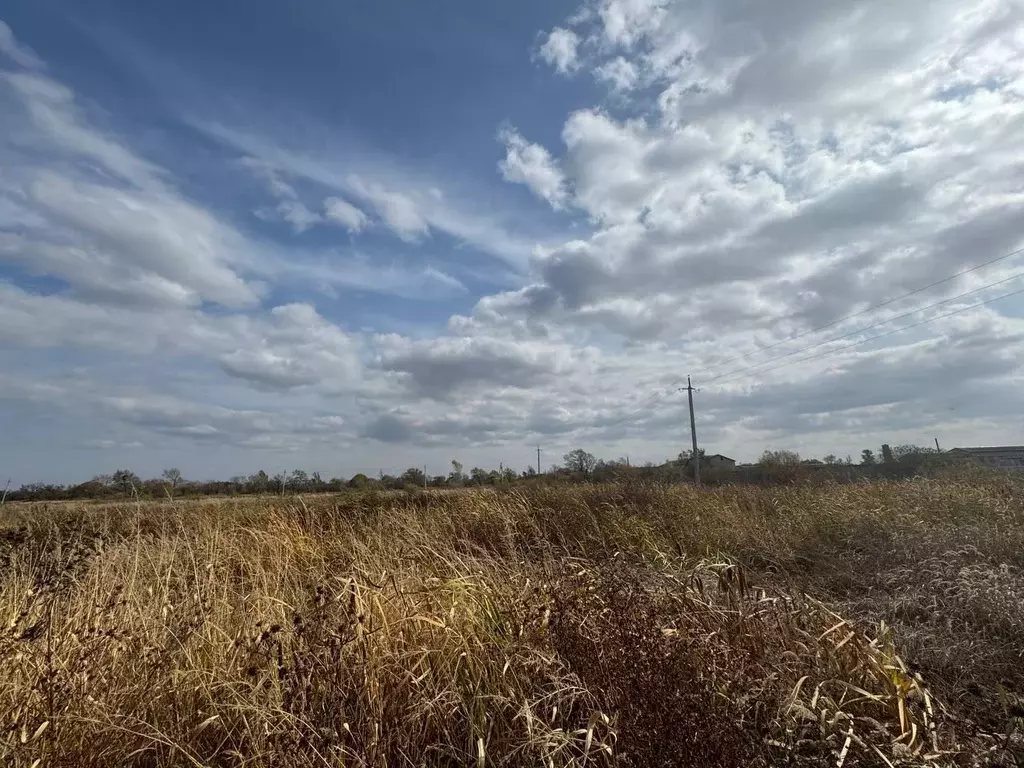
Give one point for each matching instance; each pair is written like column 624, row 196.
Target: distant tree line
column 774, row 466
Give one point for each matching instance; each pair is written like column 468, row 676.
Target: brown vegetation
column 862, row 624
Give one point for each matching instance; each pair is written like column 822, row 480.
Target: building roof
column 720, row 456
column 993, row 449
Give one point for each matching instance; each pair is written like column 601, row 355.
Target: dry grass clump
column 705, row 670
column 272, row 648
column 875, row 624
column 961, row 617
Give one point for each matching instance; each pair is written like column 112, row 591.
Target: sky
column 357, row 237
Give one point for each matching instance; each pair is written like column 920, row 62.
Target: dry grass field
column 866, row 624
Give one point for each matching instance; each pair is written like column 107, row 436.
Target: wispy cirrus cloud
column 17, row 52
column 411, row 208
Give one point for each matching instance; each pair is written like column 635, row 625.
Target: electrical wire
column 856, row 331
column 872, row 308
column 659, row 395
column 875, row 337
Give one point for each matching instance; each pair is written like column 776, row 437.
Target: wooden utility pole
column 538, row 460
column 937, row 445
column 695, row 456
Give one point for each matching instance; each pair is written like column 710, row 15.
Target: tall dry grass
column 876, row 624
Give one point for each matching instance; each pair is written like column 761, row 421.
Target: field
column 862, row 624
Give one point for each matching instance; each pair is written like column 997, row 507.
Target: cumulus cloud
column 624, row 22
column 778, row 181
column 389, row 428
column 532, row 165
column 559, row 50
column 293, row 347
column 620, row 73
column 817, row 176
column 344, row 213
column 440, row 368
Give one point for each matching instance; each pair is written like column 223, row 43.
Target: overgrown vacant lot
column 876, row 624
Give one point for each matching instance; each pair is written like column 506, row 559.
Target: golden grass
column 875, row 624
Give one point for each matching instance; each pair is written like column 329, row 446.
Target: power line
column 855, row 331
column 877, row 336
column 864, row 311
column 659, row 395
column 873, row 307
column 642, row 407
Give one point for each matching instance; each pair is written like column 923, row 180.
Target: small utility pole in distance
column 424, row 475
column 937, row 445
column 694, row 457
column 6, row 489
column 538, row 460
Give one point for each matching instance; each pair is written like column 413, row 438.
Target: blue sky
column 350, row 237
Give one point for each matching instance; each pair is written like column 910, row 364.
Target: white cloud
column 32, row 321
column 20, row 54
column 798, row 164
column 289, row 207
column 559, row 50
column 290, row 346
column 442, row 368
column 344, row 213
column 398, row 210
column 532, row 165
column 411, row 201
column 89, row 211
column 150, row 235
column 111, row 444
column 50, row 106
column 297, row 214
column 328, row 272
column 625, row 22
column 817, row 175
column 620, row 73
column 293, row 347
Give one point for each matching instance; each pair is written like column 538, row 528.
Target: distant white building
column 1001, row 457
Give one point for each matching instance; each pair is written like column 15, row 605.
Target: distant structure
column 1000, row 457
column 718, row 461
